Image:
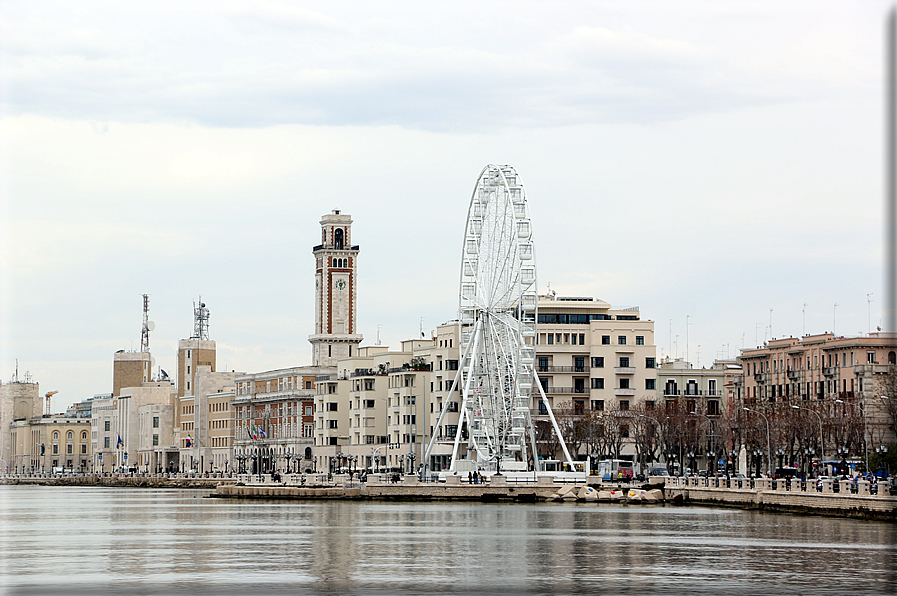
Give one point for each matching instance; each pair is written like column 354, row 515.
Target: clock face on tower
column 340, row 284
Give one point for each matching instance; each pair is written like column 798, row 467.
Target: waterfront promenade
column 832, row 497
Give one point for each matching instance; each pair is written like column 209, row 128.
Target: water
column 74, row 540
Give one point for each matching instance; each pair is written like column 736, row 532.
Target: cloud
column 271, row 64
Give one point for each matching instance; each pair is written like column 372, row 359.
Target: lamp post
column 882, row 451
column 821, row 443
column 710, row 421
column 843, row 451
column 768, row 450
column 733, row 455
column 758, row 458
column 809, row 452
column 780, row 453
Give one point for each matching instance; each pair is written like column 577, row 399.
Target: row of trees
column 684, row 438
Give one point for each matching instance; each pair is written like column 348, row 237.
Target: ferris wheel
column 497, row 317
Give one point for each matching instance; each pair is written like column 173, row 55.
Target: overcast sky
column 705, row 161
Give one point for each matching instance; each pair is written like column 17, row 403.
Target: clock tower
column 335, row 334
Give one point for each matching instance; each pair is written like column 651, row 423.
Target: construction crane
column 48, row 396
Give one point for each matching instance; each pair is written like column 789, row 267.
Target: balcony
column 556, row 390
column 758, row 378
column 624, row 370
column 624, row 392
column 829, row 371
column 562, row 369
column 793, row 375
column 671, row 393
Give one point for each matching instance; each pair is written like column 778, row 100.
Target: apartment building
column 273, row 422
column 852, row 371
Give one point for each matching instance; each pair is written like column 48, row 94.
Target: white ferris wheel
column 497, row 318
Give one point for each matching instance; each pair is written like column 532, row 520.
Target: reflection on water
column 76, row 540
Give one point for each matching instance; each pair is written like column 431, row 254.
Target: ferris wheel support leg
column 554, row 423
column 471, row 347
column 445, row 409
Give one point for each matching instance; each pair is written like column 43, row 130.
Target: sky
column 717, row 164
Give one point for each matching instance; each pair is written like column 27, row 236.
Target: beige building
column 130, row 369
column 32, row 441
column 837, row 375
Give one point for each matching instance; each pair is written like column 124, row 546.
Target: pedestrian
column 470, row 478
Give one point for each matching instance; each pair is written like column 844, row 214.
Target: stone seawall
column 881, row 507
column 119, row 481
column 415, row 492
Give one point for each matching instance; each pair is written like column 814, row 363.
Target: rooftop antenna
column 869, row 303
column 770, row 324
column 422, row 327
column 834, row 317
column 378, row 333
column 805, row 318
column 147, row 326
column 200, row 320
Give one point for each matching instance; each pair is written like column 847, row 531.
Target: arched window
column 55, row 435
column 892, row 357
column 338, row 239
column 308, row 453
column 84, row 436
column 69, row 436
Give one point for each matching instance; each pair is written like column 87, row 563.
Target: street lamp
column 758, row 458
column 882, row 451
column 780, row 453
column 768, row 450
column 821, row 443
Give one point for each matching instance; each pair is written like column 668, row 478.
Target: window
column 624, row 405
column 650, row 362
column 55, row 449
column 69, row 436
column 649, row 404
column 624, row 361
column 68, row 449
column 621, row 340
column 368, row 403
column 451, row 365
column 309, row 410
column 582, row 339
column 639, row 340
column 870, row 357
column 332, row 424
column 543, row 363
column 713, row 407
column 308, row 385
column 598, row 362
column 598, row 405
column 551, row 339
column 451, row 430
column 624, row 428
column 579, row 364
column 155, row 422
column 106, row 426
column 332, row 406
column 452, row 406
column 83, row 447
column 650, row 384
column 155, row 440
column 605, row 340
column 624, row 383
column 106, row 442
column 598, row 383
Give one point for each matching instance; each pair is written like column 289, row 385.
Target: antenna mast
column 147, row 326
column 200, row 320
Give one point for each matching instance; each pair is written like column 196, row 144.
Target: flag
column 189, row 440
column 261, row 432
column 250, row 430
column 120, row 442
